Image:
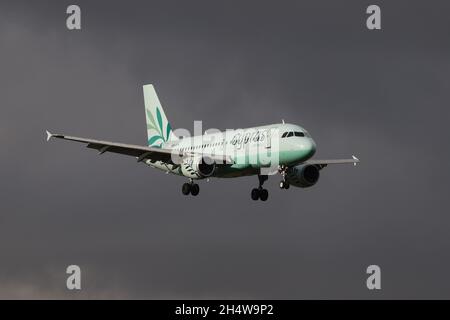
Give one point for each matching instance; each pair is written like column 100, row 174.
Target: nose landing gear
column 190, row 187
column 260, row 193
column 283, row 183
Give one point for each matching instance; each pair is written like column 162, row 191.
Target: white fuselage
column 250, row 150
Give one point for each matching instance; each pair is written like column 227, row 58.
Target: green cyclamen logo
column 157, row 126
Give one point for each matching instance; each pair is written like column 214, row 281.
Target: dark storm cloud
column 381, row 95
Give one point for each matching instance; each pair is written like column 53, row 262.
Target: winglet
column 49, row 135
column 356, row 160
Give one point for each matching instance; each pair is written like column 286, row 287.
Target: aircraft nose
column 306, row 148
column 310, row 147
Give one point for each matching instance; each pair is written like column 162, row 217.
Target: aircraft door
column 268, row 138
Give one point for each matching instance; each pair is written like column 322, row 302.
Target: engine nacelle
column 303, row 176
column 198, row 167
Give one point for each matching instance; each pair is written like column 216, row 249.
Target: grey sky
column 382, row 95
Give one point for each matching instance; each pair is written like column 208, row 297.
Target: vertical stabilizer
column 159, row 130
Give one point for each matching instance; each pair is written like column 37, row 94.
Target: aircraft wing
column 323, row 163
column 140, row 152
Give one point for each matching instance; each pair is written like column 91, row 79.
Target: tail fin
column 159, row 130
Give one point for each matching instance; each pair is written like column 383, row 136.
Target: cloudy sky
column 382, row 95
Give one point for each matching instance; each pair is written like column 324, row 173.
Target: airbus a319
column 281, row 148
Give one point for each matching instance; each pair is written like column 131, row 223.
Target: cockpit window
column 295, row 133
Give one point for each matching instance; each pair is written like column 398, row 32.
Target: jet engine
column 303, row 176
column 198, row 167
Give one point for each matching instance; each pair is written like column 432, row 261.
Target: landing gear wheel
column 255, row 194
column 284, row 185
column 260, row 193
column 186, row 188
column 195, row 189
column 263, row 194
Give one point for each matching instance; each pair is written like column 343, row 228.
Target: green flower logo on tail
column 161, row 135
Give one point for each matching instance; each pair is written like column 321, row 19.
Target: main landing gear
column 260, row 193
column 190, row 187
column 283, row 183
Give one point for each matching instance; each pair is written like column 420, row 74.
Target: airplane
column 281, row 148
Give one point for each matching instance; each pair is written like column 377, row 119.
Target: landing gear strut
column 283, row 183
column 190, row 187
column 260, row 193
